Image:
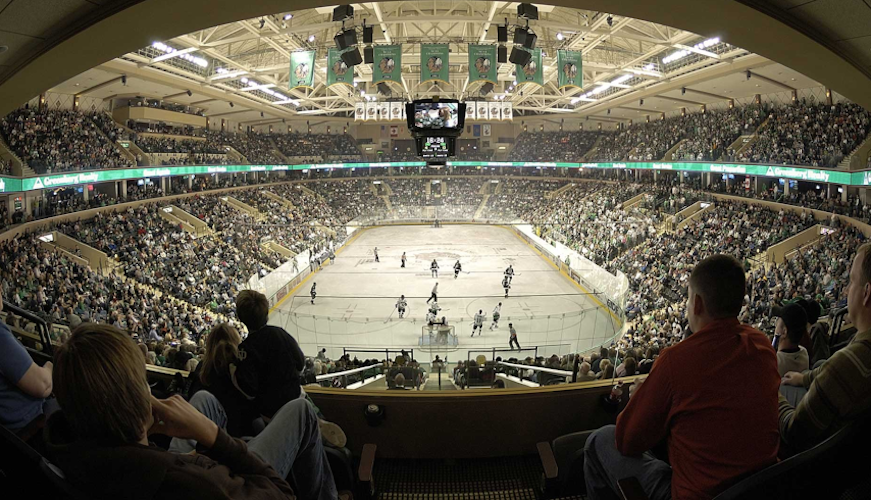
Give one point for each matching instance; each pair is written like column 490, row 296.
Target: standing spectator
column 711, row 396
column 270, row 358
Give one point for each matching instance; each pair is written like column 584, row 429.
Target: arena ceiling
column 76, row 45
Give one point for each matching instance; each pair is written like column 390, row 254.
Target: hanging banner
column 384, row 109
column 337, row 70
column 470, row 110
column 482, row 64
column 495, row 111
column 485, row 130
column 507, row 111
column 302, row 69
column 360, row 111
column 482, row 113
column 434, row 62
column 570, row 65
column 388, row 64
column 533, row 71
column 371, row 111
column 396, row 110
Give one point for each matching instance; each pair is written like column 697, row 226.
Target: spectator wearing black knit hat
column 791, row 327
column 818, row 332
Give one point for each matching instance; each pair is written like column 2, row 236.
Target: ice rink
column 356, row 296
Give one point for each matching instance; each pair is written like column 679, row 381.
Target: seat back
column 23, row 469
column 819, row 472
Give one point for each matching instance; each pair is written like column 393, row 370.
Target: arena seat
column 825, row 471
column 23, row 469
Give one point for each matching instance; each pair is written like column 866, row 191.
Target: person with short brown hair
column 99, row 439
column 712, row 398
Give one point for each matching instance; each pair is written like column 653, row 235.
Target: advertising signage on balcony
column 15, row 184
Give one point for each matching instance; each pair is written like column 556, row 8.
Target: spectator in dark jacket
column 271, row 361
column 99, row 439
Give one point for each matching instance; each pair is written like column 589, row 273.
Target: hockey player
column 497, row 312
column 434, row 295
column 506, row 284
column 403, row 259
column 376, row 255
column 457, row 268
column 314, row 292
column 509, row 273
column 434, row 268
column 401, row 304
column 512, row 341
column 479, row 323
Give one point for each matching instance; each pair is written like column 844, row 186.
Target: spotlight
column 190, row 93
column 683, row 91
column 749, row 74
column 231, row 104
column 262, row 22
column 641, row 103
column 123, row 79
column 610, row 20
column 261, row 114
column 559, row 36
column 609, row 111
column 288, row 17
column 311, row 38
column 244, row 80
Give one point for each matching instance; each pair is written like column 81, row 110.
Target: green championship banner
column 569, row 64
column 302, row 69
column 434, row 62
column 482, row 63
column 337, row 70
column 533, row 71
column 388, row 64
column 15, row 184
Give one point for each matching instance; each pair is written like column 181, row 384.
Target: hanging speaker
column 367, row 34
column 527, row 11
column 529, row 43
column 502, row 33
column 368, row 55
column 346, row 39
column 519, row 56
column 520, row 35
column 502, row 54
column 342, row 12
column 352, row 57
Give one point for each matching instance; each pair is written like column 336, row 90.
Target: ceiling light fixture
column 311, row 38
column 675, row 56
column 288, row 17
column 559, row 36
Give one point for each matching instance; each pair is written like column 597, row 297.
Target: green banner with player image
column 434, row 62
column 533, row 71
column 388, row 64
column 482, row 63
column 337, row 70
column 569, row 64
column 302, row 69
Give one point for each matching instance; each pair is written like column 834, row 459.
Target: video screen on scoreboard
column 434, row 147
column 436, row 115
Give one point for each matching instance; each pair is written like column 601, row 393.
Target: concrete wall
column 96, row 259
column 159, row 115
column 776, row 253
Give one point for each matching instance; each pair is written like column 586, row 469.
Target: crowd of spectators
column 256, row 148
column 347, row 199
column 62, row 291
column 709, row 135
column 338, row 147
column 552, row 146
column 51, row 141
column 641, row 141
column 462, row 199
column 589, row 219
column 171, row 145
column 514, row 197
column 809, row 133
column 109, row 126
